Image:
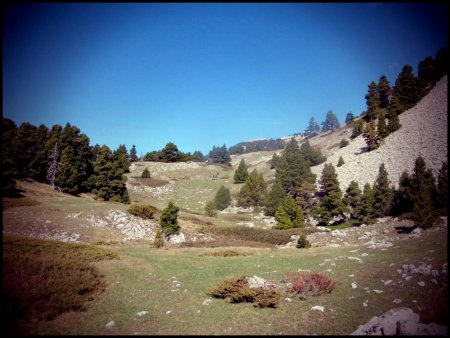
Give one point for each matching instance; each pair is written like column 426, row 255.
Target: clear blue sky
column 201, row 75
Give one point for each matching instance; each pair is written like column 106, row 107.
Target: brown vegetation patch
column 306, row 285
column 18, row 202
column 226, row 253
column 43, row 278
column 150, row 182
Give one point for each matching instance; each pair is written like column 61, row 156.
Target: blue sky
column 199, row 74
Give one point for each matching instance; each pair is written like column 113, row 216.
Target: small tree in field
column 222, row 198
column 159, row 241
column 146, row 173
column 340, row 161
column 168, row 220
column 289, row 214
column 241, row 173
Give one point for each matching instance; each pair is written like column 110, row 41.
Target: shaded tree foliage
column 241, row 173
column 253, row 191
column 312, row 129
column 289, row 215
column 256, row 145
column 219, row 155
column 331, row 122
column 382, row 192
column 222, row 199
column 168, row 220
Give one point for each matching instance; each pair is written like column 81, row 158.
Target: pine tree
column 168, row 220
column 352, row 198
column 405, row 89
column 223, row 198
column 331, row 122
column 159, row 241
column 313, row 156
column 210, row 208
column 274, row 161
column 313, row 128
column 125, row 199
column 384, row 92
column 289, row 215
column 357, row 128
column 442, row 186
column 133, row 154
column 382, row 130
column 373, row 140
column 39, row 164
column 340, row 161
column 253, row 191
column 424, row 190
column 441, row 62
column 219, row 155
column 274, row 198
column 394, row 122
column 122, row 158
column 9, row 132
column 403, row 196
column 241, row 173
column 146, row 173
column 367, row 210
column 198, row 156
column 349, row 118
column 383, row 193
column 169, row 153
column 330, row 204
column 372, row 101
column 343, row 143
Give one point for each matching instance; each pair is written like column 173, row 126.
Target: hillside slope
column 423, row 131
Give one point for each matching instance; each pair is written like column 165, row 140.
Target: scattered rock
column 110, row 324
column 354, row 285
column 318, row 308
column 142, row 313
column 421, row 283
column 377, row 291
column 387, row 282
column 207, row 301
column 397, row 301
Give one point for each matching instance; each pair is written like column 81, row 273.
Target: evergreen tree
column 146, row 173
column 405, row 89
column 125, row 199
column 313, row 128
column 219, row 155
column 293, row 170
column 442, row 186
column 313, row 156
column 383, row 193
column 223, row 198
column 426, row 74
column 253, row 191
column 210, row 209
column 441, row 62
column 159, row 241
column 394, row 122
column 372, row 101
column 274, row 198
column 122, row 158
column 367, row 210
column 168, row 220
column 9, row 131
column 25, row 148
column 331, row 122
column 349, row 118
column 424, row 190
column 373, row 140
column 289, row 215
column 197, row 156
column 133, row 154
column 357, row 128
column 340, row 161
column 352, row 198
column 403, row 196
column 274, row 161
column 331, row 202
column 39, row 164
column 343, row 143
column 382, row 130
column 169, row 153
column 384, row 92
column 241, row 173
column 107, row 181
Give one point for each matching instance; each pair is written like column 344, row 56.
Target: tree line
column 257, row 145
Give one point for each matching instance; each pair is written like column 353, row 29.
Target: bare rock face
column 399, row 321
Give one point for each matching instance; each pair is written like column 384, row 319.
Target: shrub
column 340, row 161
column 223, row 198
column 146, row 174
column 210, row 208
column 168, row 219
column 311, row 284
column 237, row 290
column 226, row 253
column 143, row 211
column 343, row 143
column 302, row 242
column 159, row 241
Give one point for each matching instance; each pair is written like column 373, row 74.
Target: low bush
column 226, row 253
column 343, row 143
column 210, row 209
column 143, row 211
column 237, row 290
column 311, row 284
column 302, row 242
column 159, row 241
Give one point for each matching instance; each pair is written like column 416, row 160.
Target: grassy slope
column 142, row 280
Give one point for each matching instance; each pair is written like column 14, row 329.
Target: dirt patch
column 149, row 182
column 18, row 202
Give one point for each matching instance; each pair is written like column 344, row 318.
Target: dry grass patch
column 226, row 253
column 18, row 202
column 43, row 278
column 150, row 182
column 306, row 285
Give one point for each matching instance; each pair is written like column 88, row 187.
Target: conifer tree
column 125, row 199
column 198, row 156
column 403, row 196
column 343, row 143
column 274, row 198
column 349, row 118
column 424, row 190
column 384, row 92
column 373, row 140
column 223, row 198
column 122, row 158
column 210, row 208
column 159, row 241
column 274, row 161
column 54, row 167
column 253, row 191
column 372, row 101
column 289, row 214
column 331, row 122
column 340, row 161
column 352, row 198
column 168, row 220
column 367, row 210
column 133, row 154
column 241, row 173
column 146, row 173
column 383, row 194
column 442, row 186
column 169, row 153
column 330, row 204
column 313, row 156
column 405, row 90
column 313, row 128
column 393, row 122
column 39, row 164
column 357, row 128
column 382, row 130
